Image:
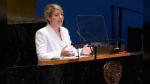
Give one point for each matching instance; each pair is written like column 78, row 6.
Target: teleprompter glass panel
column 92, row 29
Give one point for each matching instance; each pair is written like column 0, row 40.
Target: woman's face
column 56, row 18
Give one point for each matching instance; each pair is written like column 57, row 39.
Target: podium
column 90, row 58
column 79, row 70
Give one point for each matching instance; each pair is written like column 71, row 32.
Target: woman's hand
column 86, row 50
column 65, row 52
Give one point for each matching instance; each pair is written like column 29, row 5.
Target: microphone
column 90, row 34
column 80, row 35
column 81, row 42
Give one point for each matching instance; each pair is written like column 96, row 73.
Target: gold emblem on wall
column 112, row 72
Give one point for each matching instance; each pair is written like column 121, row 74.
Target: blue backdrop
column 72, row 8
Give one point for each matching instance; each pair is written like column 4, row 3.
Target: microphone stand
column 95, row 45
column 95, row 49
column 81, row 42
column 77, row 47
column 77, row 51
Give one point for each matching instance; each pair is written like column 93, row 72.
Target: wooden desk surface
column 62, row 61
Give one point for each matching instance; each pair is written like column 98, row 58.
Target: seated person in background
column 53, row 40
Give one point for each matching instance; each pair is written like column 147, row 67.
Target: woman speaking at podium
column 53, row 40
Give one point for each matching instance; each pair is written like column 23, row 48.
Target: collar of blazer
column 51, row 33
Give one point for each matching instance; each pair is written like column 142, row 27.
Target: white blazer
column 49, row 45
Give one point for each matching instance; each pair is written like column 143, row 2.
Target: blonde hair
column 49, row 10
